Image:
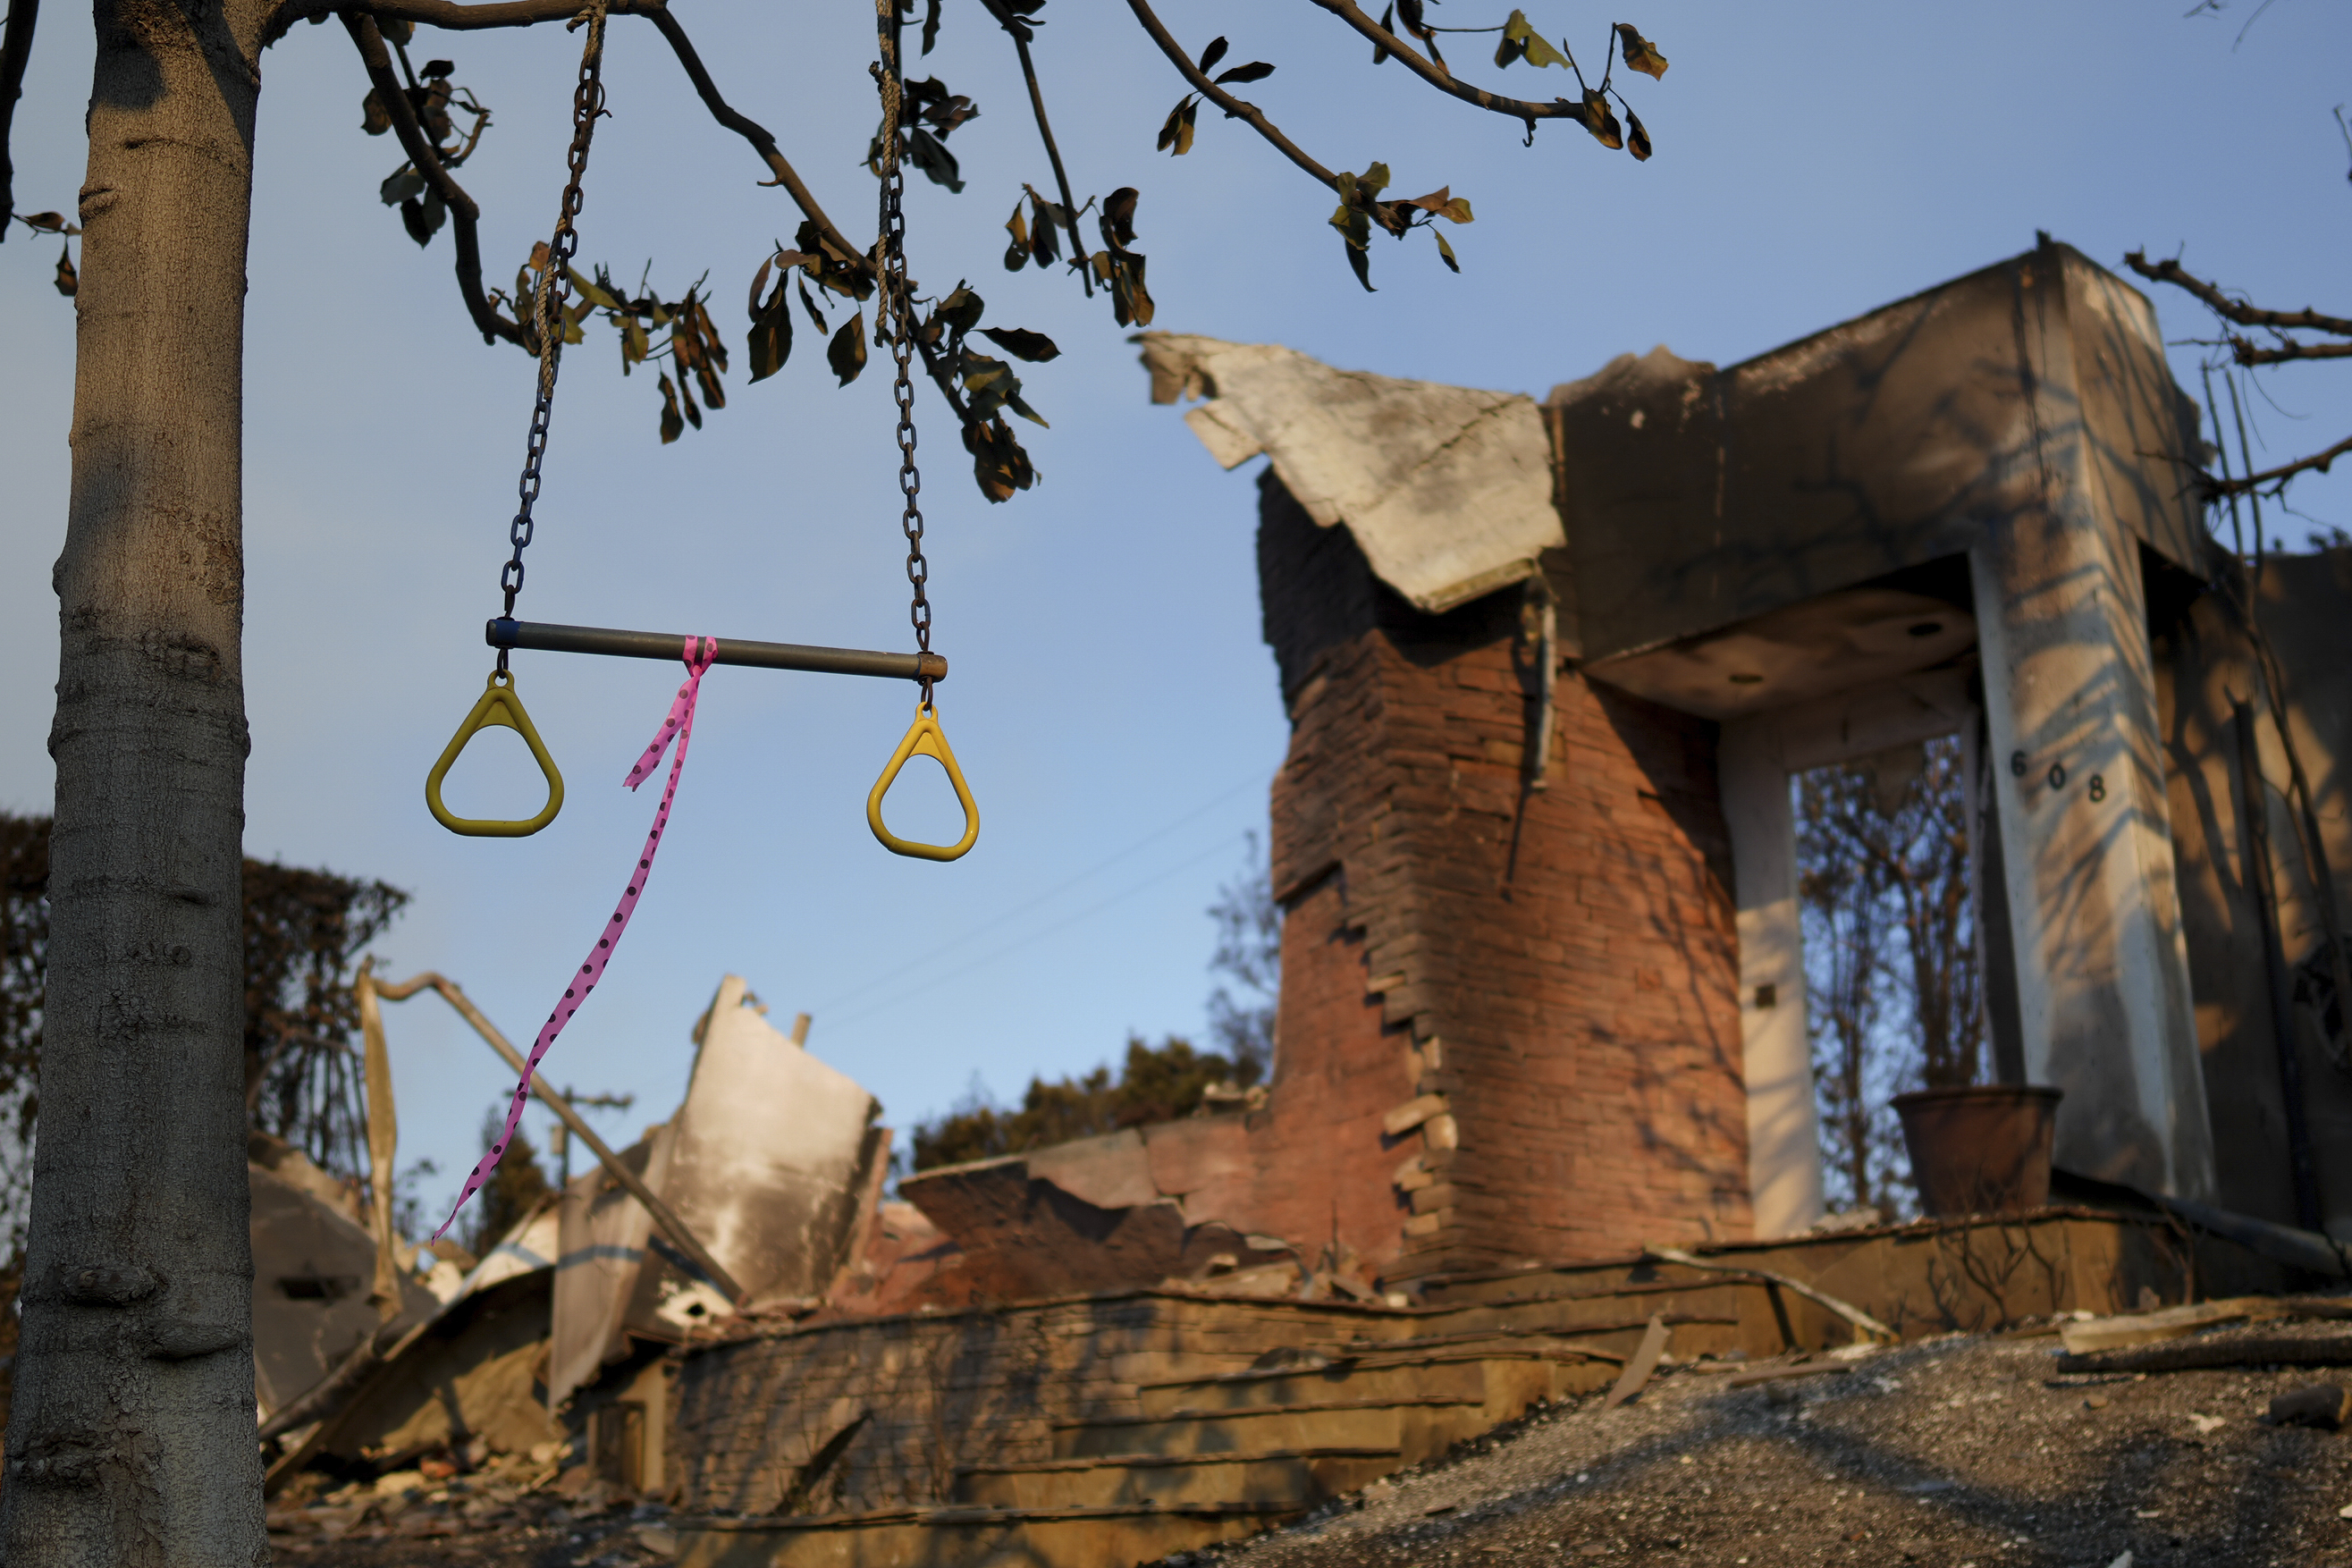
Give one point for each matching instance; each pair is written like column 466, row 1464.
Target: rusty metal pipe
column 544, row 637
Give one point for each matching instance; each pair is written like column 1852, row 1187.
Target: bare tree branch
column 465, row 216
column 15, row 51
column 1045, row 133
column 764, row 144
column 1232, row 106
column 752, row 131
column 2273, row 480
column 2315, row 464
column 449, row 14
column 1439, row 77
column 2246, row 351
column 2221, row 305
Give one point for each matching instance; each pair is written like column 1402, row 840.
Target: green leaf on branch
column 1023, row 343
column 1388, row 24
column 1522, row 42
column 1641, row 55
column 846, row 352
column 1444, row 251
column 1256, row 71
column 598, row 297
column 1212, row 54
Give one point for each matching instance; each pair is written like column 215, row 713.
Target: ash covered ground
column 1955, row 1452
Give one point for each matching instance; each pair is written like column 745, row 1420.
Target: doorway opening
column 1887, row 894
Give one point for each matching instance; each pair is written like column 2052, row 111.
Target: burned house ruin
column 1542, row 1104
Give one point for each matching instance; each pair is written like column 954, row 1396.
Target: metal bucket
column 1980, row 1150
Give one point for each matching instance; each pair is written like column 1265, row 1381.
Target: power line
column 997, row 923
column 1012, row 947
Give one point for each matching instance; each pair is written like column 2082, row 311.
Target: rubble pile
column 521, row 1508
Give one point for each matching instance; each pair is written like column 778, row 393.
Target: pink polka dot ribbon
column 699, row 654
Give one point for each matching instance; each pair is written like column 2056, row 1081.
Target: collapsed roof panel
column 312, row 1266
column 1447, row 489
column 771, row 1150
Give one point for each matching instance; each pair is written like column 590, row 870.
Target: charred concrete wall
column 903, row 1401
column 1512, row 1014
column 1697, row 497
column 2207, row 671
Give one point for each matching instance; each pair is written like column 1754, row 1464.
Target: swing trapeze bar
column 543, row 636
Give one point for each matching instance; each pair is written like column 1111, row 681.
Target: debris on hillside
column 1958, row 1450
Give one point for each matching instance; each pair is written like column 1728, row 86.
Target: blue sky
column 1112, row 702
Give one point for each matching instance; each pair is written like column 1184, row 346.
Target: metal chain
column 894, row 306
column 553, row 294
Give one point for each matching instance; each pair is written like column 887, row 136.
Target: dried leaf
column 1444, row 251
column 374, row 118
column 438, row 70
column 673, row 423
column 1045, row 229
column 1256, row 71
column 405, row 184
column 931, row 25
column 1023, row 343
column 961, row 310
column 1637, row 141
column 422, row 219
column 635, row 346
column 46, row 223
column 1360, row 261
column 69, row 281
column 1641, row 55
column 998, row 463
column 1119, row 215
column 1600, row 121
column 1176, row 134
column 1212, row 54
column 925, row 152
column 1016, row 255
column 846, row 352
column 814, row 314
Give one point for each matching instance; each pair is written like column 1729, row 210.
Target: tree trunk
column 131, row 1441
